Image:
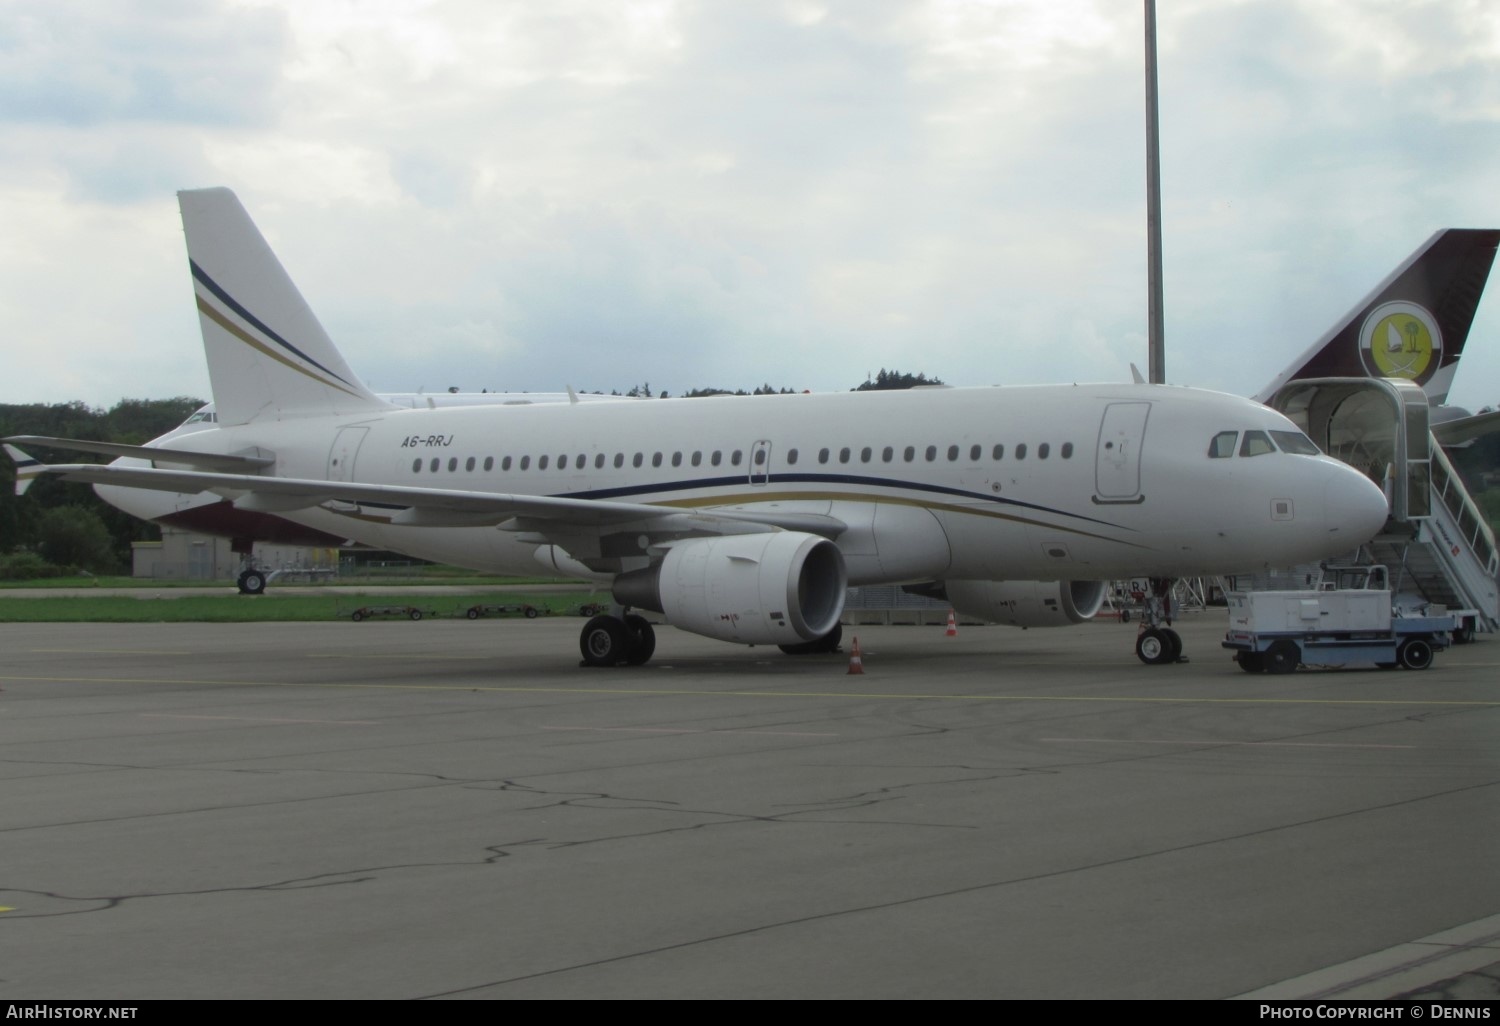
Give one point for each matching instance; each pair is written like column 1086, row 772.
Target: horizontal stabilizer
column 200, row 460
column 27, row 468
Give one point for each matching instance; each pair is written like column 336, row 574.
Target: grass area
column 246, row 609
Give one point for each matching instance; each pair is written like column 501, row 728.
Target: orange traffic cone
column 856, row 664
column 952, row 631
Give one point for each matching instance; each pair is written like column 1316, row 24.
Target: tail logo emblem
column 1401, row 340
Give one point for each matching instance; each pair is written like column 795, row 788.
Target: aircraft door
column 1117, row 461
column 760, row 463
column 343, row 452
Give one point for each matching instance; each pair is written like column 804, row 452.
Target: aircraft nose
column 1355, row 507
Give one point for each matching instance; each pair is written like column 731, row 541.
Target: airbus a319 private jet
column 743, row 518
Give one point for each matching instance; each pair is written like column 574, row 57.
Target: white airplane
column 1432, row 295
column 743, row 518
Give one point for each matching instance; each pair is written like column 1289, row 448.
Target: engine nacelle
column 776, row 588
column 1027, row 603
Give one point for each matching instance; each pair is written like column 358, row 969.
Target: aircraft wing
column 1463, row 430
column 551, row 516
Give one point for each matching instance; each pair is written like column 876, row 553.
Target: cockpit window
column 203, row 416
column 1295, row 442
column 1256, row 443
column 1222, row 447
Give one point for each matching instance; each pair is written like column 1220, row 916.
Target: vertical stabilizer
column 1414, row 325
column 268, row 357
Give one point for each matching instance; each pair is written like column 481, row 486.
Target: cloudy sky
column 518, row 195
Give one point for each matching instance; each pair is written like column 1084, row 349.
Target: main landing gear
column 252, row 582
column 1157, row 643
column 614, row 640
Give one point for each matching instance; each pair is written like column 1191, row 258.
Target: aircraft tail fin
column 1414, row 325
column 28, row 468
column 268, row 357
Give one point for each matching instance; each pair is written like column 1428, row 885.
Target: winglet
column 28, row 468
column 1135, row 375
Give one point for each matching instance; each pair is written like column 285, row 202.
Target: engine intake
column 777, row 588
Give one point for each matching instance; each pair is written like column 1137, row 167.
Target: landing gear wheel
column 604, row 641
column 1153, row 647
column 827, row 643
column 1175, row 640
column 1415, row 654
column 642, row 639
column 1251, row 662
column 1283, row 657
column 252, row 582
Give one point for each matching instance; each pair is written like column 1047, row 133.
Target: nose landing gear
column 1157, row 644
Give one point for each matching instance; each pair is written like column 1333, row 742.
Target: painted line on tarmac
column 676, row 730
column 258, row 719
column 1214, row 744
column 737, row 693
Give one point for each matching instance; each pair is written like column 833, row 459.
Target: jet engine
column 776, row 588
column 1024, row 603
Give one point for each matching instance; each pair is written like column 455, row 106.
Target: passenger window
column 505, row 463
column 489, row 463
column 541, row 463
column 469, row 463
column 844, row 454
column 760, row 457
column 433, row 466
column 416, row 465
column 998, row 453
column 1256, row 443
column 637, row 460
column 909, row 453
column 599, row 461
column 1222, row 446
column 791, row 457
column 716, row 458
column 1043, row 451
column 822, row 455
column 1067, row 450
column 864, row 455
column 952, row 453
column 931, row 453
column 677, row 459
column 735, row 457
column 525, row 462
column 656, row 459
column 974, row 452
column 698, row 458
column 887, row 454
column 1021, row 451
column 562, row 462
column 619, row 460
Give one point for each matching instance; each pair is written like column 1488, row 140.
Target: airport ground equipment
column 370, row 612
column 1277, row 631
column 524, row 609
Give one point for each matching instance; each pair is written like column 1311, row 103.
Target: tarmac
column 456, row 809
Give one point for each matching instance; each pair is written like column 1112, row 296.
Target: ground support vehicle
column 1277, row 631
column 370, row 612
column 525, row 609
